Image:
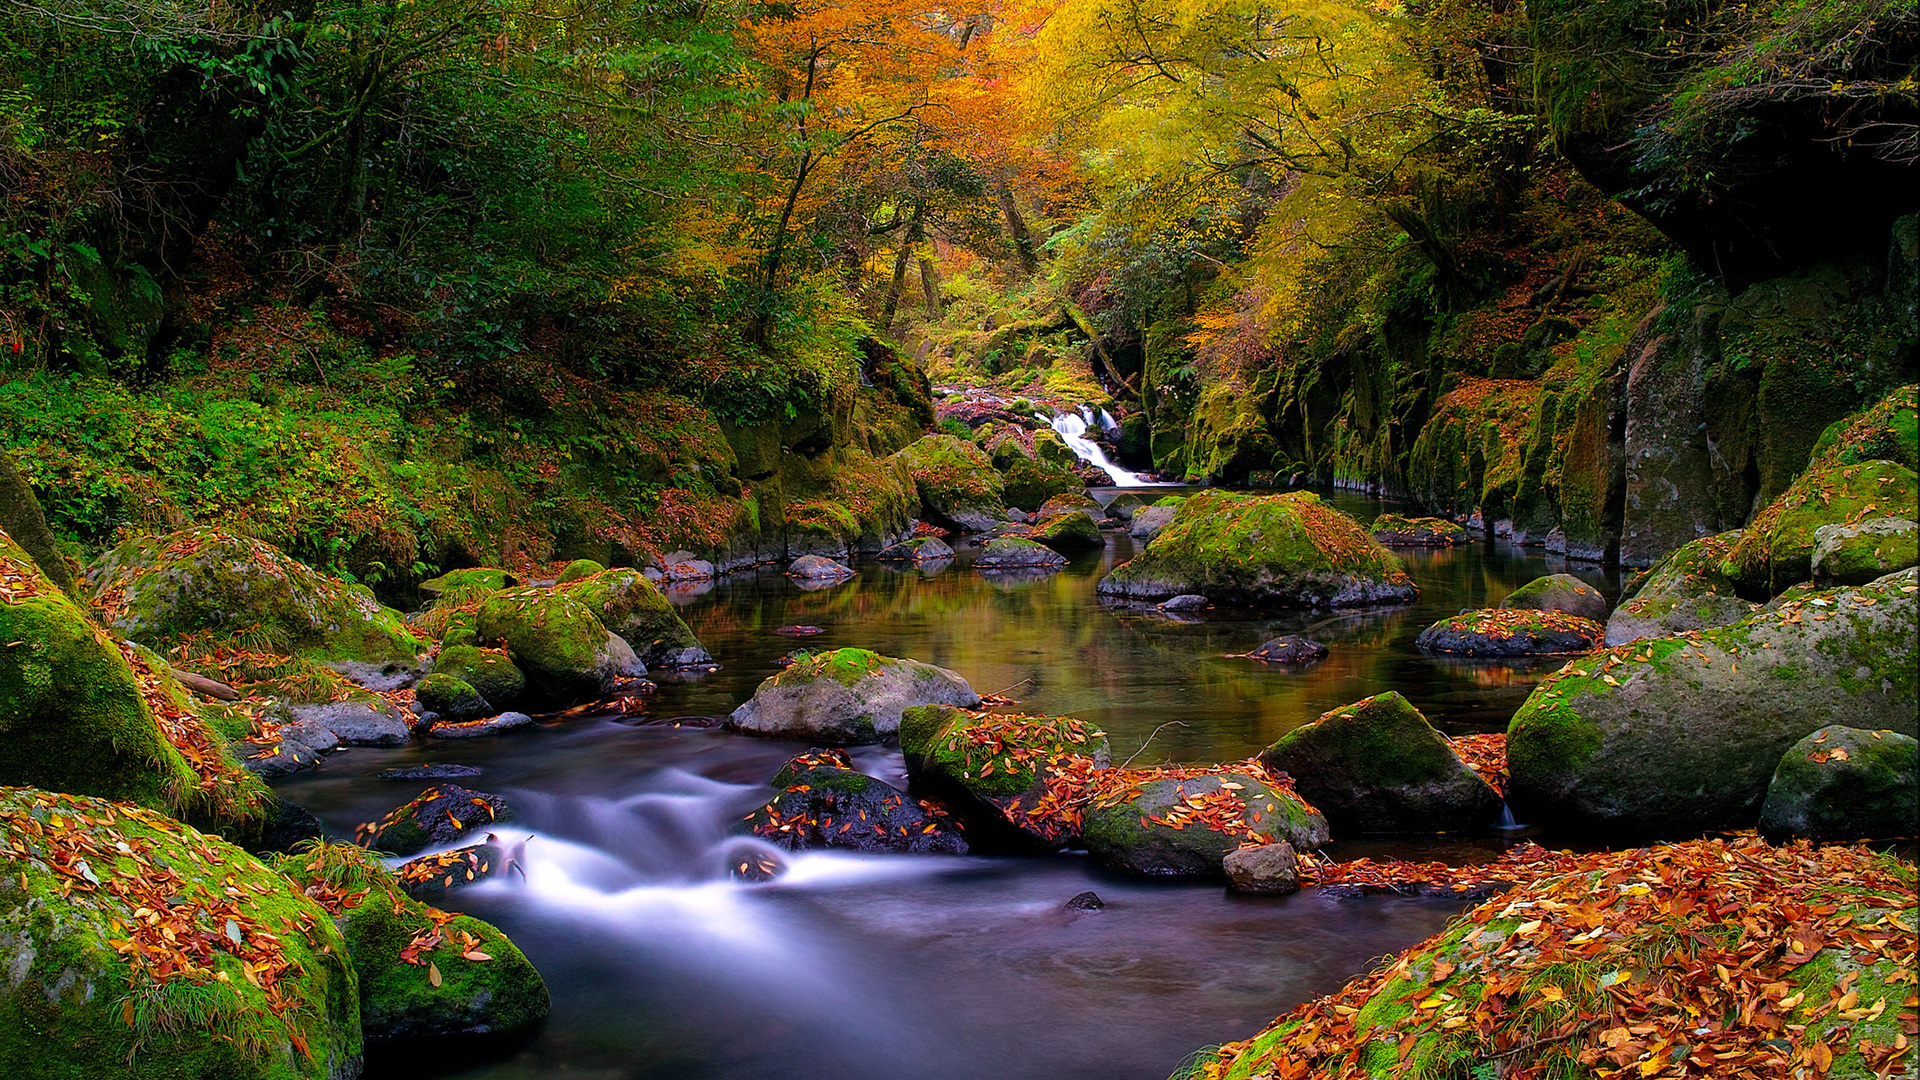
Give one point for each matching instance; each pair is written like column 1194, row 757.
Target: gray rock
column 1559, row 592
column 1291, row 649
column 847, row 697
column 924, row 549
column 506, row 721
column 427, row 772
column 684, row 566
column 1856, row 554
column 358, row 722
column 818, row 568
column 1185, row 602
column 1684, row 591
column 1015, row 553
column 1270, row 869
column 272, row 760
column 1499, row 632
column 1843, row 783
column 1116, row 836
column 438, row 815
column 1147, row 521
column 379, row 678
column 309, row 732
column 1680, row 735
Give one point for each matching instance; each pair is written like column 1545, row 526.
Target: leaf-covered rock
column 958, row 485
column 439, row 815
column 1070, row 530
column 1008, row 777
column 1844, row 783
column 1377, row 766
column 1559, row 592
column 1512, row 632
column 824, row 803
column 1686, row 590
column 1856, row 554
column 847, row 697
column 1018, row 553
column 1183, row 822
column 1393, row 530
column 1280, row 550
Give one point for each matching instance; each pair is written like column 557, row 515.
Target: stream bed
column 939, row 968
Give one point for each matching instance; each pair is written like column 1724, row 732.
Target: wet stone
column 1086, row 901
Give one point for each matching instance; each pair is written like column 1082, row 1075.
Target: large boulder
column 958, row 484
column 1559, row 592
column 1856, row 554
column 1843, row 783
column 140, row 949
column 558, row 641
column 1377, row 766
column 1146, row 522
column 1029, row 482
column 1003, row 775
column 1289, row 550
column 467, row 585
column 1393, row 530
column 423, row 974
column 824, row 803
column 1687, row 590
column 1018, row 553
column 818, row 570
column 1512, row 632
column 634, row 608
column 847, row 697
column 1672, row 736
column 493, row 674
column 451, row 697
column 437, row 816
column 23, row 521
column 161, row 590
column 1069, row 530
column 84, row 713
column 1185, row 824
column 1776, row 551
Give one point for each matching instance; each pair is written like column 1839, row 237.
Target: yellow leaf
column 433, row 973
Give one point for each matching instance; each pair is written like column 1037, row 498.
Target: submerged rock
column 439, row 815
column 824, row 803
column 427, row 772
column 1268, row 870
column 81, row 869
column 1085, row 901
column 1843, row 783
column 1672, row 736
column 994, row 771
column 1015, row 553
column 1291, row 649
column 1559, row 592
column 1857, row 554
column 470, row 729
column 1377, row 766
column 1687, row 590
column 635, row 609
column 1152, row 828
column 1288, row 550
column 558, row 641
column 846, row 697
column 1507, row 632
column 1396, row 531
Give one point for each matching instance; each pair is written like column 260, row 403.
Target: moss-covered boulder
column 918, row 550
column 1686, row 590
column 85, row 713
column 847, row 697
column 1067, row 504
column 1073, row 530
column 1264, row 550
column 439, row 815
column 140, row 949
column 1018, row 553
column 451, row 697
column 577, row 569
column 1843, row 783
column 1184, row 825
column 557, row 640
column 25, row 523
column 470, row 584
column 493, row 674
column 1506, row 632
column 1002, row 774
column 1856, row 554
column 1672, row 736
column 958, row 485
column 161, row 590
column 824, row 803
column 634, row 608
column 1776, row 550
column 1600, row 964
column 1559, row 592
column 1029, row 482
column 1377, row 766
column 1146, row 522
column 423, row 973
column 1394, row 530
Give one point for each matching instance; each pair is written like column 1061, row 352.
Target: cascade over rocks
column 1673, row 736
column 1263, row 550
column 1377, row 766
column 1843, row 783
column 847, row 697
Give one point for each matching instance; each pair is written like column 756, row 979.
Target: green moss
column 1777, row 549
column 472, row 584
column 1071, row 531
column 634, row 608
column 578, row 569
column 495, row 676
column 450, row 696
column 1385, row 733
column 552, row 636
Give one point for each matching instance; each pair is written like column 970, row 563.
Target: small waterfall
column 1072, row 428
column 1507, row 822
column 1107, row 423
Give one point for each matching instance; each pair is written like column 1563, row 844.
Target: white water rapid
column 1072, row 428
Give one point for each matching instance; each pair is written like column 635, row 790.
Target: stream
column 940, row 968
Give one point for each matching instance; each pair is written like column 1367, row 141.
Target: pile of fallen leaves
column 342, row 878
column 1484, row 754
column 1679, row 960
column 1501, row 624
column 167, row 926
column 1524, row 862
column 1012, row 743
column 19, row 582
column 183, row 730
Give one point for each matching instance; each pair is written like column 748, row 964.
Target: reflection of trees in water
column 1501, row 672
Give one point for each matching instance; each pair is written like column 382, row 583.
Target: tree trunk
column 1017, row 228
column 908, row 241
column 930, row 288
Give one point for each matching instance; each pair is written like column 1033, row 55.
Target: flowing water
column 1072, row 429
column 941, row 968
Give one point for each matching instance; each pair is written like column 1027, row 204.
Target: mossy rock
column 1147, row 522
column 577, row 569
column 451, row 697
column 468, row 584
column 1687, row 590
column 1067, row 504
column 1018, row 553
column 1535, row 948
column 824, row 803
column 1073, row 530
column 473, row 981
column 85, row 714
column 23, row 521
column 634, row 608
column 1496, row 632
column 958, row 485
column 1049, row 447
column 1889, row 431
column 493, row 675
column 1030, row 482
column 161, row 590
column 1264, row 550
column 437, row 816
column 1378, row 766
column 1393, row 530
column 1777, row 548
column 556, row 638
column 1132, row 833
column 1674, row 736
column 1857, row 554
column 1843, row 783
column 993, row 770
column 1559, row 592
column 847, row 697
column 918, row 550
column 75, row 1009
